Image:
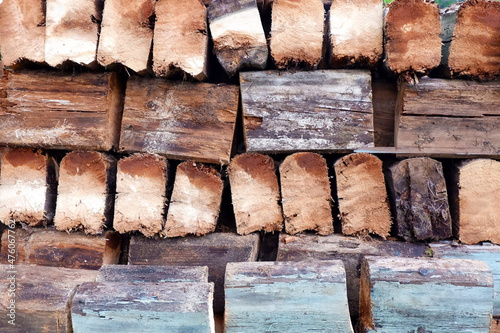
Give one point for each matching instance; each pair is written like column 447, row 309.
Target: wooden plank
column 306, row 194
column 196, row 199
column 255, row 193
column 412, row 36
column 348, row 249
column 238, row 35
column 314, row 111
column 420, row 199
column 180, row 41
column 290, row 297
column 126, row 34
column 384, row 94
column 474, row 48
column 59, row 111
column 141, row 186
column 425, row 295
column 213, row 250
column 152, row 273
column 85, row 197
column 355, row 31
column 362, row 195
column 297, row 32
column 22, row 31
column 27, row 187
column 180, row 120
column 136, row 307
column 72, row 31
column 42, row 297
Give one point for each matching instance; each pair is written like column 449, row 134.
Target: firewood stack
column 346, row 141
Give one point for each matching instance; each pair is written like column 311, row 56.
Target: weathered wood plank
column 362, row 195
column 59, row 111
column 348, row 249
column 306, row 194
column 384, row 97
column 141, row 186
column 27, row 187
column 320, row 110
column 180, row 120
column 157, row 274
column 307, row 296
column 238, row 35
column 255, row 193
column 138, row 307
column 213, row 250
column 425, row 295
column 85, row 198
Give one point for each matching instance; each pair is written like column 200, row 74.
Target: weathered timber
column 141, row 186
column 255, row 193
column 180, row 42
column 139, row 307
column 152, row 273
column 384, row 95
column 195, row 203
column 362, row 195
column 474, row 50
column 320, row 110
column 348, row 249
column 495, row 325
column 307, row 296
column 55, row 248
column 486, row 252
column 420, row 199
column 425, row 295
column 27, row 187
column 72, row 31
column 126, row 34
column 238, row 35
column 43, row 297
column 474, row 194
column 306, row 194
column 22, row 31
column 59, row 111
column 355, row 32
column 412, row 36
column 180, row 120
column 449, row 116
column 297, row 32
column 85, row 198
column 213, row 250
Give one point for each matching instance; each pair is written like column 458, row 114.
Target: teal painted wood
column 143, row 307
column 286, row 297
column 139, row 273
column 488, row 253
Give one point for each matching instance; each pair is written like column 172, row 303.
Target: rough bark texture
column 255, row 193
column 151, row 273
column 141, row 185
column 238, row 35
column 306, row 194
column 85, row 197
column 180, row 42
column 363, row 202
column 196, row 199
column 297, row 32
column 474, row 50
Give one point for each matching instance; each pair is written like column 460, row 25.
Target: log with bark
column 152, row 273
column 255, row 193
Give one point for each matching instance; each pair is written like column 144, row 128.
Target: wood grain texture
column 286, row 297
column 180, row 120
column 362, row 195
column 22, row 31
column 213, row 250
column 255, row 193
column 237, row 34
column 384, row 95
column 152, row 273
column 60, row 111
column 313, row 111
column 136, row 307
column 180, row 42
column 425, row 295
